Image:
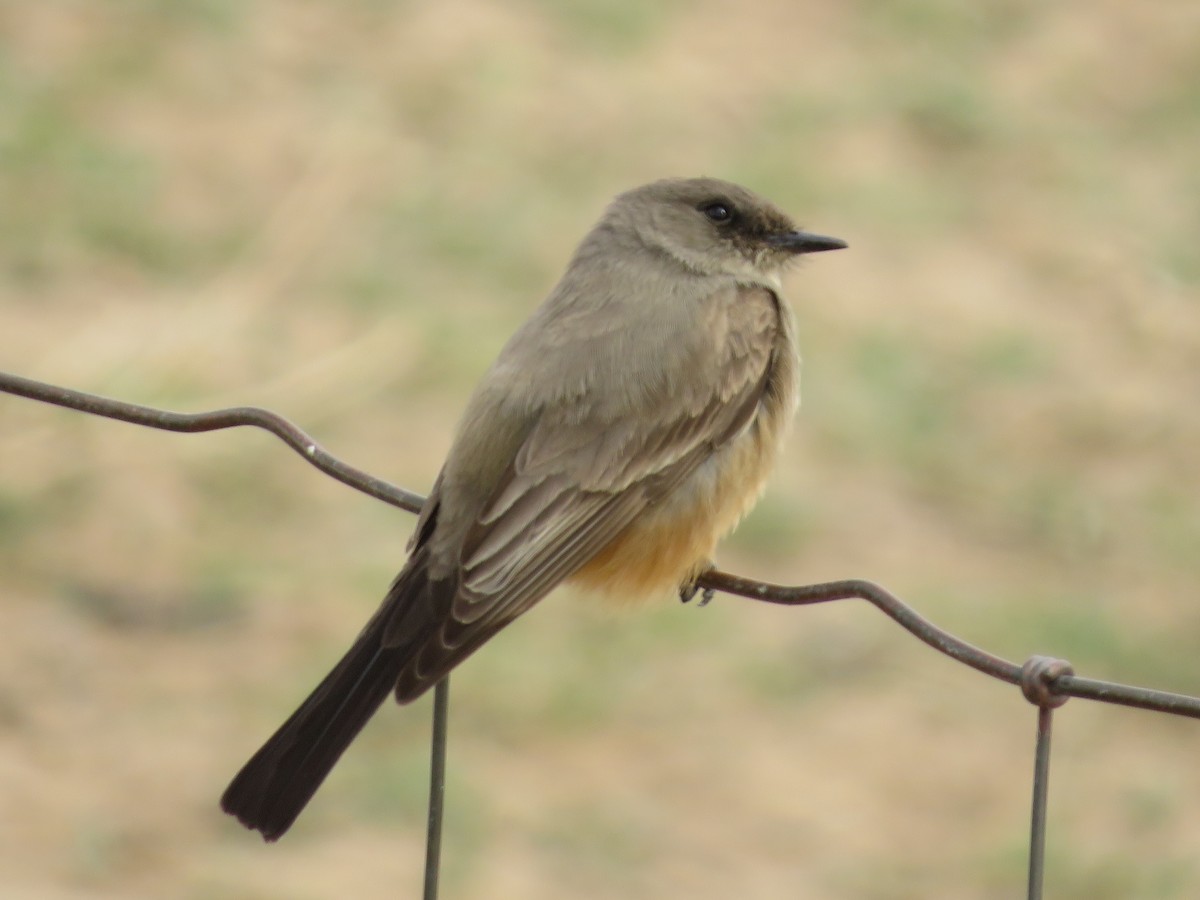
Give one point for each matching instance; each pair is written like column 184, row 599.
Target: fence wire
column 1047, row 683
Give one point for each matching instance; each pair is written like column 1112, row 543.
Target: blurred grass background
column 340, row 211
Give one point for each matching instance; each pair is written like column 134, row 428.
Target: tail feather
column 276, row 784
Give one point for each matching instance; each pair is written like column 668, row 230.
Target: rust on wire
column 1039, row 680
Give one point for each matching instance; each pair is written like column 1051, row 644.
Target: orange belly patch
column 649, row 559
column 672, row 544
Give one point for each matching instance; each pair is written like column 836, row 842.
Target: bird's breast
column 673, row 541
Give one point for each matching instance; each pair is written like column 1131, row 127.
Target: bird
column 625, row 428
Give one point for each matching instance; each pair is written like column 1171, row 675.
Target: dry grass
column 339, row 211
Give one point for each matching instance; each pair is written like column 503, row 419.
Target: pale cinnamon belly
column 671, row 544
column 674, row 541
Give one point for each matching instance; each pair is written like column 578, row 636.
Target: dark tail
column 276, row 784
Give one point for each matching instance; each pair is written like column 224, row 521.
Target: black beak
column 806, row 242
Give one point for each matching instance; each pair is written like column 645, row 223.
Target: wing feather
column 574, row 487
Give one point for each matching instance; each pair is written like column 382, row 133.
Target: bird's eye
column 718, row 211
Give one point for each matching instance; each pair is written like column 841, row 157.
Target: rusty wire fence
column 1047, row 683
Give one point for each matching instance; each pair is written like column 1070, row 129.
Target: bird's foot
column 691, row 587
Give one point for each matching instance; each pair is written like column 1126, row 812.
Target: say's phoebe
column 623, row 430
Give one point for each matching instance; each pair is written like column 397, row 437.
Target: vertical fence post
column 1037, row 681
column 1041, row 784
column 437, row 788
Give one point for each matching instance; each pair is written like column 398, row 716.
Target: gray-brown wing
column 573, row 487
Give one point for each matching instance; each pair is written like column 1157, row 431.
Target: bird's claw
column 689, row 589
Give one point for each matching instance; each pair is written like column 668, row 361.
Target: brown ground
column 339, row 211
